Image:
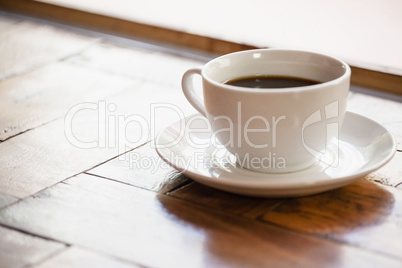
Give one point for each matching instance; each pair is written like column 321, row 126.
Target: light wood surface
column 117, row 204
column 364, row 34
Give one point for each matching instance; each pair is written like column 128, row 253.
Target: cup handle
column 187, row 86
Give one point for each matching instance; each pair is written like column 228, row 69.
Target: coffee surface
column 269, row 81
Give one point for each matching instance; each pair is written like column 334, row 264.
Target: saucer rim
column 308, row 187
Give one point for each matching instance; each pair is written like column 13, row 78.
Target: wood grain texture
column 88, row 17
column 178, row 233
column 379, row 80
column 148, row 65
column 143, row 168
column 123, row 26
column 21, row 250
column 363, row 214
column 27, row 45
column 90, row 136
column 81, row 184
column 225, row 202
column 43, row 157
column 48, row 93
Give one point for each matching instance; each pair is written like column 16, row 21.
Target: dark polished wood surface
column 117, row 204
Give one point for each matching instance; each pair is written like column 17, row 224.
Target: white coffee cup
column 277, row 129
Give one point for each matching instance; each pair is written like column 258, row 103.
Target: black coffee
column 269, row 81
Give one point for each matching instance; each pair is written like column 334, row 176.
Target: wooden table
column 109, row 200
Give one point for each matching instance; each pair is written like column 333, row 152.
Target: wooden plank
column 363, row 214
column 155, row 67
column 226, row 202
column 88, row 136
column 143, row 168
column 265, row 27
column 376, row 78
column 51, row 88
column 78, row 257
column 122, row 26
column 43, row 95
column 22, row 250
column 156, row 230
column 29, row 45
column 42, row 157
column 6, row 200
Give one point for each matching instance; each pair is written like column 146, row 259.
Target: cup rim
column 335, row 81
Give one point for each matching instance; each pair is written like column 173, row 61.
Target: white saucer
column 364, row 146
